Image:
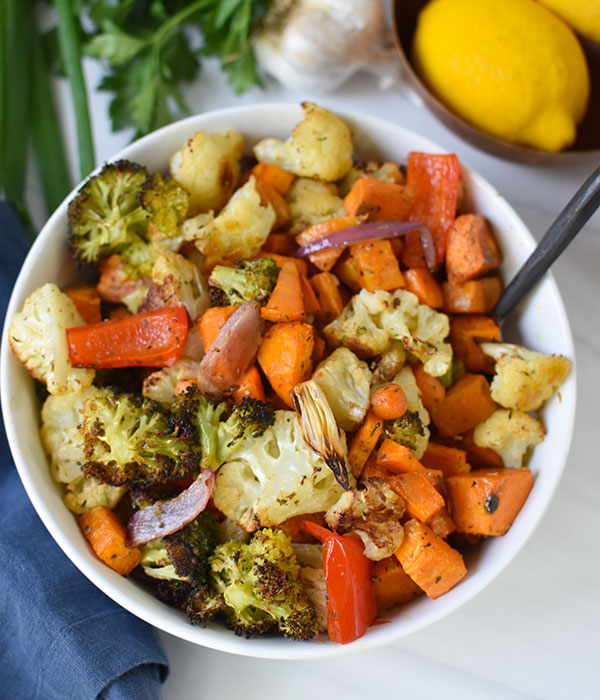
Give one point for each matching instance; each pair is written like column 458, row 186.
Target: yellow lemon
column 582, row 15
column 509, row 67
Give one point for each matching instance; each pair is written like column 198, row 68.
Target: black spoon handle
column 568, row 224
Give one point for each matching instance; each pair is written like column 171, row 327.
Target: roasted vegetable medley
column 284, row 403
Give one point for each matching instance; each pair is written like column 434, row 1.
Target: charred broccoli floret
column 183, row 556
column 405, row 429
column 257, row 588
column 132, row 440
column 251, row 279
column 166, row 203
column 105, row 216
column 217, row 438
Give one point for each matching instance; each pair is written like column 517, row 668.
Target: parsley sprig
column 149, row 49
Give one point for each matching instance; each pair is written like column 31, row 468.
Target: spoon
column 564, row 229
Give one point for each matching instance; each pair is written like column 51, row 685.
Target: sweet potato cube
column 392, row 584
column 472, row 297
column 379, row 200
column 486, row 501
column 449, row 460
column 431, row 563
column 471, row 249
column 442, row 524
column 364, row 441
column 467, row 404
column 464, row 330
column 423, row 501
column 377, row 266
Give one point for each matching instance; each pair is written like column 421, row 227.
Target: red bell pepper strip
column 149, row 339
column 351, row 604
column 432, row 180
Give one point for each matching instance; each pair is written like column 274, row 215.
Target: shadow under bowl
column 587, row 145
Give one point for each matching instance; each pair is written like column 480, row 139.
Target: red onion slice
column 165, row 517
column 232, row 352
column 372, row 231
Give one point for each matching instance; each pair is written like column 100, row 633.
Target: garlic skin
column 323, row 42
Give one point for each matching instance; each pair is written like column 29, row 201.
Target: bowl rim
column 165, row 620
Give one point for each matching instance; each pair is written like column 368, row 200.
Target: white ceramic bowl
column 542, row 325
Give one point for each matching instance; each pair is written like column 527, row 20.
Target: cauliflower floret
column 373, row 514
column 524, row 378
column 182, row 281
column 320, row 146
column 312, row 202
column 240, row 229
column 345, row 381
column 510, row 434
column 358, row 327
column 160, row 385
column 208, row 166
column 37, row 337
column 274, row 477
column 62, row 441
column 313, row 583
column 421, row 330
column 372, row 321
column 406, row 379
column 87, row 492
column 64, row 444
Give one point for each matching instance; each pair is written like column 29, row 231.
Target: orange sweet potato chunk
column 471, row 249
column 486, row 501
column 392, row 585
column 430, row 561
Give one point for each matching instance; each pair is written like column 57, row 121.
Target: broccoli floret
column 105, row 216
column 166, row 203
column 252, row 279
column 218, row 439
column 132, row 440
column 405, row 429
column 183, row 555
column 258, row 588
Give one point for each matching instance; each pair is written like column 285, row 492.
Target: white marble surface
column 535, row 631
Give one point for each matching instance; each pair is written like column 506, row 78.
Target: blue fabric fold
column 60, row 637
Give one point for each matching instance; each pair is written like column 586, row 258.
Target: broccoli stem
column 47, row 137
column 70, row 48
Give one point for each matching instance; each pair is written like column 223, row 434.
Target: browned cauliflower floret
column 372, row 513
column 312, row 202
column 178, row 281
column 208, row 166
column 345, row 380
column 37, row 336
column 160, row 385
column 372, row 321
column 524, row 378
column 509, row 433
column 320, row 146
column 238, row 232
column 65, row 446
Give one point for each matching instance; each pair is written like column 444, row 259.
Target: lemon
column 509, row 67
column 582, row 15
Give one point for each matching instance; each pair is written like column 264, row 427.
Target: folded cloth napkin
column 60, row 637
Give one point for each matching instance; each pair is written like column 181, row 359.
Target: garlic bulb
column 316, row 45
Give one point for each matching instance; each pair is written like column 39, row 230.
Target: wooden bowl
column 585, row 149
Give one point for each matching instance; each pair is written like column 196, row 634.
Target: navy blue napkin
column 60, row 637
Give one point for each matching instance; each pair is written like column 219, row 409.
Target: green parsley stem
column 47, row 137
column 70, row 47
column 16, row 25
